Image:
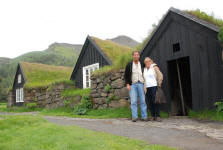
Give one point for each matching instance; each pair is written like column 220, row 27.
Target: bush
column 219, row 106
column 31, row 106
column 83, row 106
column 220, row 36
column 67, row 103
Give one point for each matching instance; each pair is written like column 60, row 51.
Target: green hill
column 59, row 54
column 4, row 60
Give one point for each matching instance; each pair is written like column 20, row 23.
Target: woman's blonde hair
column 148, row 59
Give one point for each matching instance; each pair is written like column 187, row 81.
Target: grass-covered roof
column 196, row 13
column 41, row 75
column 111, row 49
column 206, row 17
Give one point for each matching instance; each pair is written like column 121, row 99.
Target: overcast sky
column 30, row 25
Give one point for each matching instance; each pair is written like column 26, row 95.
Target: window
column 19, row 95
column 19, row 78
column 87, row 71
column 176, row 47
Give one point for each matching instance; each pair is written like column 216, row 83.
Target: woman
column 153, row 79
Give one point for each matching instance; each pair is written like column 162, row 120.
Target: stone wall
column 116, row 96
column 47, row 97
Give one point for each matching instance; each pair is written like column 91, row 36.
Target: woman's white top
column 150, row 76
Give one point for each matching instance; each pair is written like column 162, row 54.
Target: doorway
column 180, row 86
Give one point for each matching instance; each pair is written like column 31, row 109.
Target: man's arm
column 126, row 76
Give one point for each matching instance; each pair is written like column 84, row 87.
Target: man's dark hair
column 135, row 51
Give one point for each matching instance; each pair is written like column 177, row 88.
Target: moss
column 41, row 75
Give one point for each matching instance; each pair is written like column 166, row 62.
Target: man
column 135, row 85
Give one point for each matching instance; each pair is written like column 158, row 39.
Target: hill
column 4, row 60
column 59, row 54
column 125, row 40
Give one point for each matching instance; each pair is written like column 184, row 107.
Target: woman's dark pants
column 150, row 97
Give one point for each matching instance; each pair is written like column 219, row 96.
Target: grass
column 92, row 113
column 123, row 112
column 41, row 75
column 204, row 16
column 111, row 49
column 72, row 92
column 206, row 115
column 120, row 63
column 35, row 133
column 3, row 108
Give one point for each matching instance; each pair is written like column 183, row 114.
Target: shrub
column 83, row 106
column 220, row 36
column 67, row 103
column 219, row 105
column 31, row 106
column 107, row 88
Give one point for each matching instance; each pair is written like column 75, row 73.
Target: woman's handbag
column 160, row 96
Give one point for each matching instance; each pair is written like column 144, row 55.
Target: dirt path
column 181, row 132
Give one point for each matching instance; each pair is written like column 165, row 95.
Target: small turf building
column 95, row 54
column 32, row 80
column 189, row 54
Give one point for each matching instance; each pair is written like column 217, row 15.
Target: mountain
column 59, row 54
column 125, row 40
column 4, row 60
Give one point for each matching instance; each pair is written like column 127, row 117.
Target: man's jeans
column 137, row 90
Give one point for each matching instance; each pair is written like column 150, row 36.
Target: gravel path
column 182, row 133
column 178, row 132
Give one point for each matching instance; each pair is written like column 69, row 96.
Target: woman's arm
column 159, row 75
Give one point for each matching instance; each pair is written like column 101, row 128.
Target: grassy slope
column 35, row 133
column 40, row 75
column 111, row 49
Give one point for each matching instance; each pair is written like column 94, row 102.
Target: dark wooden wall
column 90, row 56
column 203, row 49
column 17, row 85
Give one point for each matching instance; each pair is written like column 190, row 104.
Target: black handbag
column 160, row 96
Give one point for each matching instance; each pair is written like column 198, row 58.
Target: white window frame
column 88, row 68
column 19, row 78
column 19, row 95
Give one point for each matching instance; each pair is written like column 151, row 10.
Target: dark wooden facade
column 17, row 85
column 191, row 43
column 90, row 54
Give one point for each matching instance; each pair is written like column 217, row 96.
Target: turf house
column 95, row 54
column 188, row 52
column 38, row 83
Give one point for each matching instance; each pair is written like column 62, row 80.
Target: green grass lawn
column 206, row 115
column 69, row 112
column 35, row 133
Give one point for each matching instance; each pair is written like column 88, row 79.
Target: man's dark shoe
column 134, row 119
